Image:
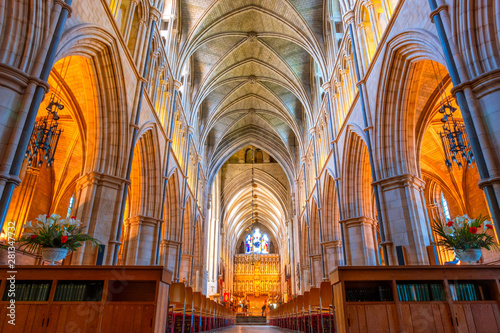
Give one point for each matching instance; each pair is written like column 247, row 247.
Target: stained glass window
column 257, row 243
column 248, row 244
column 265, row 244
column 70, row 206
column 445, row 207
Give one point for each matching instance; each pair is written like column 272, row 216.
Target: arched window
column 248, row 244
column 249, row 156
column 70, row 206
column 257, row 243
column 259, row 157
column 446, row 210
column 265, row 244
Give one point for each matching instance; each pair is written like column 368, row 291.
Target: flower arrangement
column 465, row 233
column 50, row 231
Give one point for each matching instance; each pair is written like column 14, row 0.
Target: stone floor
column 250, row 329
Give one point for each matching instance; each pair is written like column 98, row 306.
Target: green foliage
column 464, row 234
column 51, row 231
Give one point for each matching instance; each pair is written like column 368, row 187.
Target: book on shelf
column 372, row 294
column 76, row 291
column 420, row 292
column 467, row 291
column 29, row 291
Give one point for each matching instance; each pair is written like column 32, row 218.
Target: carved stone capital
column 400, row 181
column 177, row 84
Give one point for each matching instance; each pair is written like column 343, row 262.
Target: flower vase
column 469, row 256
column 52, row 254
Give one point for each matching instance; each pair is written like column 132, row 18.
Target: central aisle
column 250, row 329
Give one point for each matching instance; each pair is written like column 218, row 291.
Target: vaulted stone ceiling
column 252, row 62
column 253, row 193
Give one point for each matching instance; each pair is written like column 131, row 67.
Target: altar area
column 256, row 281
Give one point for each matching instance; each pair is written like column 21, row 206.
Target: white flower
column 27, row 225
column 55, row 217
column 27, row 234
column 74, row 221
column 62, row 222
column 460, row 220
column 42, row 218
column 448, row 230
column 44, row 221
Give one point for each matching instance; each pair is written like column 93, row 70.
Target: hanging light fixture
column 454, row 138
column 254, row 196
column 45, row 136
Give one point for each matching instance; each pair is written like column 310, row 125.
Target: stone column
column 483, row 95
column 347, row 89
column 387, row 10
column 179, row 133
column 22, row 199
column 350, row 61
column 316, row 271
column 477, row 98
column 365, row 49
column 197, row 285
column 155, row 84
column 185, row 267
column 26, row 65
column 168, row 254
column 168, row 34
column 342, row 99
column 139, row 44
column 406, row 221
column 374, row 21
column 333, row 254
column 129, row 18
column 161, row 106
column 360, row 241
column 140, row 240
column 338, row 116
column 97, row 202
column 306, row 278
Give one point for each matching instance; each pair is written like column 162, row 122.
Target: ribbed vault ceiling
column 252, row 63
column 270, row 206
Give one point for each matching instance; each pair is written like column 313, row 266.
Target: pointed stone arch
column 331, row 224
column 359, row 221
column 171, row 217
column 143, row 201
column 403, row 57
column 109, row 121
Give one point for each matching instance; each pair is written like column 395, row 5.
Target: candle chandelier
column 254, row 196
column 45, row 136
column 453, row 137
